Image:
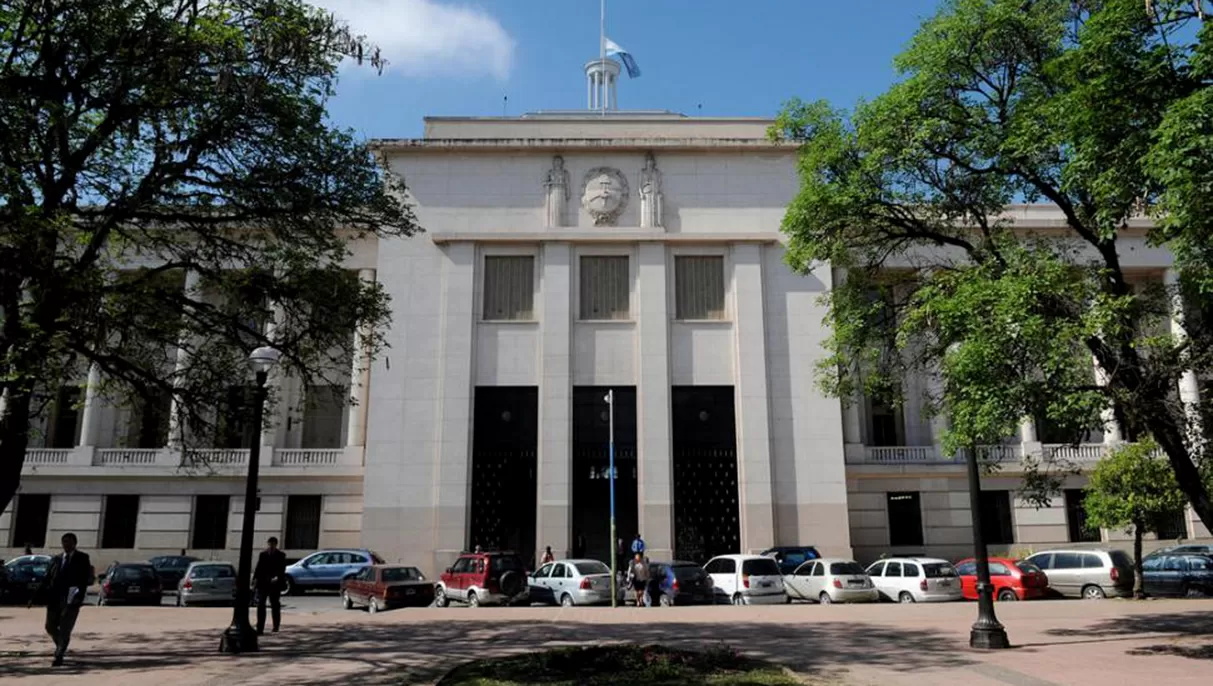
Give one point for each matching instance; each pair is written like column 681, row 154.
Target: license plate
column 410, row 591
column 765, row 584
column 945, row 583
column 853, row 582
column 132, row 589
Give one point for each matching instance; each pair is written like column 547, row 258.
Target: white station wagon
column 916, row 579
column 747, row 579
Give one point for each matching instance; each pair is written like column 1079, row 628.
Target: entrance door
column 591, row 487
column 504, row 442
column 706, row 520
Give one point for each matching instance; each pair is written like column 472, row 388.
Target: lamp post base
column 988, row 637
column 238, row 639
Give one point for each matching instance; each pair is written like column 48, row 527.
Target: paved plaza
column 1057, row 642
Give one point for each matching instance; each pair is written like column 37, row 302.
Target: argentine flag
column 612, row 48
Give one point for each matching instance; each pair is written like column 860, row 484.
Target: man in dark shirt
column 64, row 588
column 267, row 579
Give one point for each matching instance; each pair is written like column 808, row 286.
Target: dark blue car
column 790, row 557
column 1177, row 575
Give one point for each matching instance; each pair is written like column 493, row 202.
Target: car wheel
column 665, row 600
column 288, row 586
column 473, row 599
column 373, row 607
column 440, row 599
column 1093, row 593
column 346, row 603
column 738, row 599
column 1007, row 595
column 825, row 598
column 566, row 600
column 905, row 597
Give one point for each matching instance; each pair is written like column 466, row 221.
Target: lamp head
column 263, row 359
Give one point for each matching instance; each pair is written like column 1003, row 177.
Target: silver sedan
column 207, row 582
column 571, row 582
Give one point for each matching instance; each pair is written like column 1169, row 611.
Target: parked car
column 383, row 587
column 1013, row 580
column 1091, row 574
column 486, row 578
column 915, row 580
column 207, row 582
column 21, row 577
column 746, row 579
column 571, row 582
column 1177, row 575
column 130, row 583
column 692, row 585
column 171, row 568
column 1185, row 549
column 831, row 580
column 326, row 569
column 790, row 557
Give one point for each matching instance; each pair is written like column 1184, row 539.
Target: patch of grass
column 634, row 665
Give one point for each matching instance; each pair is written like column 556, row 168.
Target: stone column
column 655, row 468
column 359, row 378
column 756, row 498
column 939, row 421
column 91, row 408
column 553, row 522
column 1111, row 432
column 1029, row 441
column 1189, row 387
column 176, row 431
column 276, row 398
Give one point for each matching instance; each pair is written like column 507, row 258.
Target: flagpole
column 602, row 89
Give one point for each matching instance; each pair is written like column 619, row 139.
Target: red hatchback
column 1013, row 580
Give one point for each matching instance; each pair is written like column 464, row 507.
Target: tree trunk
column 14, row 437
column 1139, row 590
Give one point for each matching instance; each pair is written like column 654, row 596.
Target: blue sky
column 709, row 57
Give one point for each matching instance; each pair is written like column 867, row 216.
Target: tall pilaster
column 91, row 409
column 655, row 484
column 176, row 431
column 1189, row 387
column 359, row 377
column 554, row 482
column 1111, row 428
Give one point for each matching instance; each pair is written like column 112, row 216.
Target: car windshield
column 592, row 567
column 507, row 563
column 760, row 567
column 845, row 568
column 1027, row 567
column 392, row 574
column 937, row 570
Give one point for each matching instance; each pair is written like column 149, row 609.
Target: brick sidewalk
column 1072, row 643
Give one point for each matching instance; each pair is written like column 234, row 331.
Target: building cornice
column 448, row 145
column 611, row 236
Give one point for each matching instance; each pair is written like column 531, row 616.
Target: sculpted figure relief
column 650, row 194
column 556, row 183
column 604, row 195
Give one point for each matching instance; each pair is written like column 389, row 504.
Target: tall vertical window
column 210, row 522
column 1076, row 518
column 234, row 416
column 323, row 416
column 699, row 287
column 509, row 287
column 302, row 522
column 996, row 517
column 905, row 519
column 64, row 426
column 604, row 287
column 1172, row 526
column 121, row 519
column 887, row 424
column 149, row 423
column 30, row 519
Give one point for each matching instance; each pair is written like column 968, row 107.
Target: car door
column 307, row 573
column 457, row 586
column 876, row 572
column 558, row 582
column 538, row 583
column 1174, row 568
column 800, row 580
column 1200, row 573
column 1151, row 575
column 817, row 580
column 723, row 571
column 224, row 581
column 892, row 578
column 967, row 571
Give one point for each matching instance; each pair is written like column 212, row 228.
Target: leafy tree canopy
column 1100, row 108
column 142, row 141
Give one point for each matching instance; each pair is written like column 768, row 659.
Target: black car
column 171, row 568
column 692, row 585
column 1177, row 574
column 790, row 557
column 21, row 577
column 131, row 584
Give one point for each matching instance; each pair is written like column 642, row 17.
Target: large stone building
column 567, row 255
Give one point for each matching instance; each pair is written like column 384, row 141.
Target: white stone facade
column 400, row 481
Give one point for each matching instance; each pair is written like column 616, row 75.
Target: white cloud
column 425, row 37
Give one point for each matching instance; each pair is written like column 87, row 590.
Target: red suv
column 1012, row 579
column 494, row 578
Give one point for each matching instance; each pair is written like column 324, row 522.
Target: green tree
column 1132, row 488
column 141, row 140
column 1101, row 108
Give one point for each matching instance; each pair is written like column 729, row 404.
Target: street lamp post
column 610, row 401
column 240, row 636
column 987, row 633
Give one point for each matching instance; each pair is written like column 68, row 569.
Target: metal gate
column 504, row 451
column 706, row 520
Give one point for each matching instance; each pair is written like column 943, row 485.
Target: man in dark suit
column 64, row 588
column 267, row 580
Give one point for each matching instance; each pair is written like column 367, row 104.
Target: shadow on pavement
column 422, row 652
column 1191, row 623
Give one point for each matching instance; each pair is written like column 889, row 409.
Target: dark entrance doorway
column 705, row 473
column 591, row 489
column 505, row 433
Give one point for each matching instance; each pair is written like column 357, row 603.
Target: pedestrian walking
column 639, row 574
column 547, row 556
column 64, row 588
column 267, row 578
column 638, row 546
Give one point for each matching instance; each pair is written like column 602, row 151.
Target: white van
column 916, row 579
column 747, row 579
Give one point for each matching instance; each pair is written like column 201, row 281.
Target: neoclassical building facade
column 567, row 255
